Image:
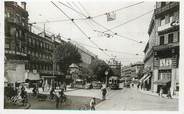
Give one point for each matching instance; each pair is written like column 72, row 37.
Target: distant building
column 131, row 72
column 115, row 66
column 162, row 50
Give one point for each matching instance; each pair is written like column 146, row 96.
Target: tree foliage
column 66, row 54
column 99, row 67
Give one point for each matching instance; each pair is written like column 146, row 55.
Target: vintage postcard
column 91, row 55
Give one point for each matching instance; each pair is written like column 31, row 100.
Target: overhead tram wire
column 84, row 8
column 114, row 33
column 119, row 52
column 63, row 20
column 119, row 9
column 133, row 19
column 77, row 7
column 79, row 28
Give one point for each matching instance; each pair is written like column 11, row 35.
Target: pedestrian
column 169, row 94
column 92, row 103
column 43, row 86
column 34, row 91
column 52, row 93
column 61, row 93
column 104, row 92
column 57, row 99
column 24, row 97
column 64, row 85
column 161, row 92
column 22, row 88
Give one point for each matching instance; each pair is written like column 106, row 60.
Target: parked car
column 97, row 85
column 88, row 86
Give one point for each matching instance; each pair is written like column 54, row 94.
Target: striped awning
column 143, row 77
column 148, row 76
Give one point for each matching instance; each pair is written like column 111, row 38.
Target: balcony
column 170, row 6
column 165, row 27
column 50, row 72
column 165, row 46
column 13, row 52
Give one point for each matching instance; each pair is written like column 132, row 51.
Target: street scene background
column 91, row 55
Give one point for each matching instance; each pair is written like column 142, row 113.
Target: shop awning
column 148, row 76
column 162, row 82
column 143, row 77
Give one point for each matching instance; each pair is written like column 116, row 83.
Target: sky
column 123, row 50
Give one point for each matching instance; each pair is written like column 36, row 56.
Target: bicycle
column 84, row 107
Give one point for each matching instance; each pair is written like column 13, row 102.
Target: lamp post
column 106, row 74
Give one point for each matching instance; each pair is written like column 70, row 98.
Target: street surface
column 128, row 99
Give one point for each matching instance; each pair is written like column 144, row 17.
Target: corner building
column 162, row 49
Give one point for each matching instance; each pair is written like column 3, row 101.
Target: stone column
column 173, row 80
column 155, row 78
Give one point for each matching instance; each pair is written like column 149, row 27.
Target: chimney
column 23, row 5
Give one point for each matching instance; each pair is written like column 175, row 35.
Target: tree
column 99, row 67
column 66, row 54
column 85, row 73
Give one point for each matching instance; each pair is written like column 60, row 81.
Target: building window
column 170, row 17
column 162, row 21
column 33, row 42
column 161, row 40
column 163, row 4
column 41, row 44
column 170, row 38
column 7, row 46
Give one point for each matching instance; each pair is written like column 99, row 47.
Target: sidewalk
column 155, row 94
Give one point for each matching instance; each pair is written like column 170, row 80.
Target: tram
column 114, row 82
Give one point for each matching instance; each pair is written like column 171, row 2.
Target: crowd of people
column 16, row 94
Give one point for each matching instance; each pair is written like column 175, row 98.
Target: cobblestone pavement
column 131, row 99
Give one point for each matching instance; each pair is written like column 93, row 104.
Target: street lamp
column 106, row 74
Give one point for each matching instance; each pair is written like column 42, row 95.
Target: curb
column 164, row 96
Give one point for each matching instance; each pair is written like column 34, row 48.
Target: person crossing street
column 104, row 92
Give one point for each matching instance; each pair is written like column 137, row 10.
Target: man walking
column 92, row 104
column 57, row 99
column 161, row 92
column 104, row 92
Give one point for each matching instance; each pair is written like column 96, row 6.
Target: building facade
column 16, row 25
column 27, row 55
column 162, row 50
column 115, row 66
column 131, row 73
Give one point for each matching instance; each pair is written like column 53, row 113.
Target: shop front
column 164, row 81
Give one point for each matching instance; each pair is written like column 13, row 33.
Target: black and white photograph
column 91, row 55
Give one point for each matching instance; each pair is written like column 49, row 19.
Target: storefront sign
column 165, row 62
